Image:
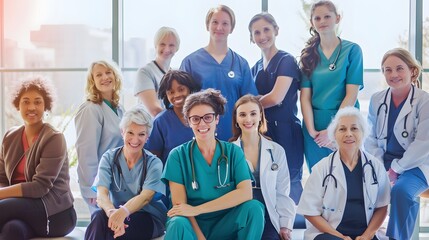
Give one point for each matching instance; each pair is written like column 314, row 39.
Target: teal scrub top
column 178, row 169
column 329, row 87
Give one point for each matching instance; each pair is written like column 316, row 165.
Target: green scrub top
column 329, row 87
column 178, row 169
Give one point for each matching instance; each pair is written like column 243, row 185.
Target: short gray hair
column 136, row 115
column 348, row 112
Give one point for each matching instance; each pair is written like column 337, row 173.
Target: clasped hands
column 116, row 221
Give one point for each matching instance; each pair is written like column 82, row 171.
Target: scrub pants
column 404, row 207
column 140, row 226
column 243, row 222
column 289, row 135
column 313, row 153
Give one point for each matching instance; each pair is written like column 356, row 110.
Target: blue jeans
column 404, row 206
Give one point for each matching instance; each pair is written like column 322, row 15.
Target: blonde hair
column 222, row 8
column 92, row 93
column 408, row 59
column 164, row 32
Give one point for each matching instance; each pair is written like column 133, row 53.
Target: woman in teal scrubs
column 332, row 75
column 209, row 179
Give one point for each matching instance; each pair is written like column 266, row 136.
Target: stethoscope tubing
column 384, row 105
column 222, row 158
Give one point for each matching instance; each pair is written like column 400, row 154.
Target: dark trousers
column 24, row 218
column 327, row 236
column 140, row 226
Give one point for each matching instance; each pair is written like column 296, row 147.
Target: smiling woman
column 211, row 191
column 97, row 122
column 34, row 173
column 332, row 211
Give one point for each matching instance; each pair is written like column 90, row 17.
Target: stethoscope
column 117, row 164
column 231, row 73
column 404, row 133
column 274, row 165
column 333, row 65
column 222, row 158
column 330, row 175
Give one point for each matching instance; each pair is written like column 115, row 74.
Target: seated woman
column 170, row 128
column 399, row 116
column 128, row 185
column 35, row 196
column 267, row 161
column 347, row 193
column 211, row 190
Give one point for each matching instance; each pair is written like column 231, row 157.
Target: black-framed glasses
column 207, row 118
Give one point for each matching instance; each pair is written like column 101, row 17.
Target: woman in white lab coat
column 267, row 162
column 400, row 119
column 347, row 193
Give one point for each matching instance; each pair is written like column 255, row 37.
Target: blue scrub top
column 210, row 74
column 393, row 148
column 284, row 127
column 168, row 132
column 178, row 169
column 123, row 188
column 353, row 222
column 282, row 64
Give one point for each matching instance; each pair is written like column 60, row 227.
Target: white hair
column 136, row 115
column 348, row 112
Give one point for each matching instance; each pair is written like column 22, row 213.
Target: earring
column 236, row 125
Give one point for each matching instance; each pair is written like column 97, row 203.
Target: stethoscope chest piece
column 332, row 67
column 194, row 185
column 274, row 167
column 404, row 134
column 231, row 74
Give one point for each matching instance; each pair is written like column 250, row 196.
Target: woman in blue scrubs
column 400, row 124
column 210, row 182
column 276, row 76
column 128, row 183
column 268, row 163
column 97, row 122
column 217, row 66
column 332, row 74
column 170, row 129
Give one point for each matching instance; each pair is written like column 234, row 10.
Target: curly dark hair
column 182, row 78
column 38, row 83
column 210, row 97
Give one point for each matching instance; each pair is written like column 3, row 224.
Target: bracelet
column 126, row 209
column 109, row 212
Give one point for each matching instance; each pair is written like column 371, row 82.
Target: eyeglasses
column 207, row 118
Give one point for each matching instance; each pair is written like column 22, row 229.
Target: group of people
column 215, row 150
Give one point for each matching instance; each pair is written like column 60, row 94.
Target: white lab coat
column 331, row 206
column 275, row 185
column 416, row 144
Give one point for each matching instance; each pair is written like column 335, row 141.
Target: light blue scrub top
column 178, row 169
column 210, row 74
column 123, row 188
column 97, row 130
column 168, row 132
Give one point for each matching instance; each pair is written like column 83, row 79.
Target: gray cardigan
column 46, row 171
